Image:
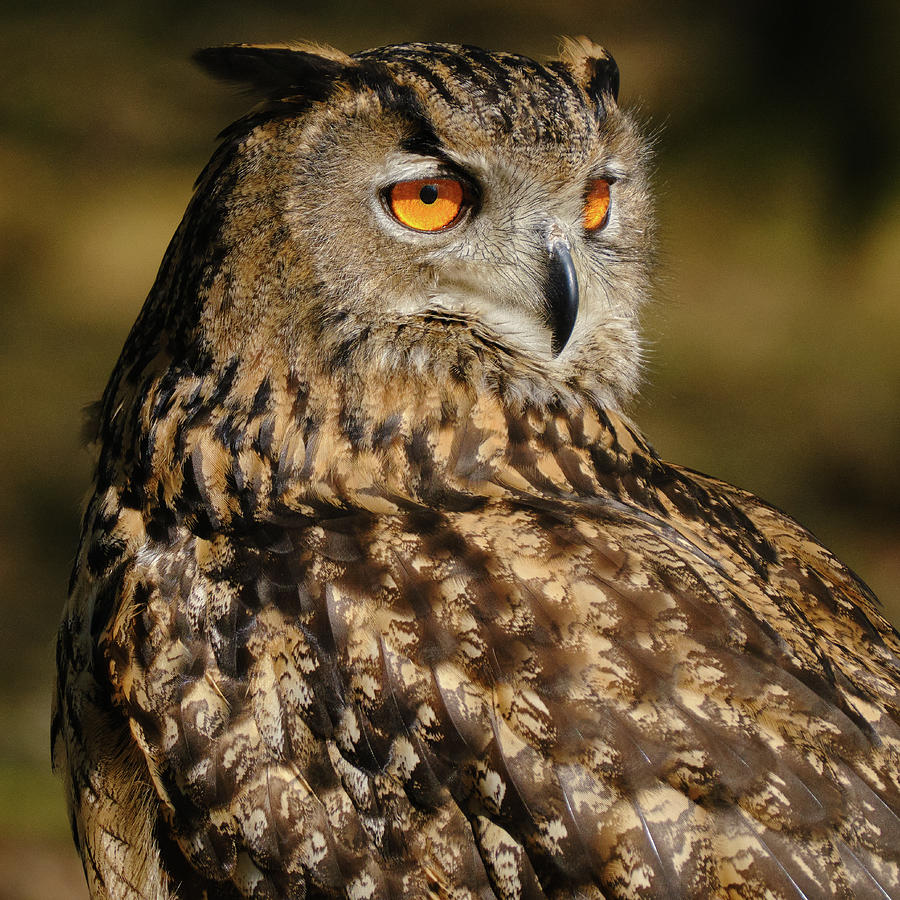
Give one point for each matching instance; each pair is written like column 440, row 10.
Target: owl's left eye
column 597, row 204
column 427, row 204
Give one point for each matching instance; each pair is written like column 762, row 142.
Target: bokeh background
column 774, row 341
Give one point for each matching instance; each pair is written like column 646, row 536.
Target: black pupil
column 429, row 193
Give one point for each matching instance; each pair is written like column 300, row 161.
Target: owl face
column 422, row 201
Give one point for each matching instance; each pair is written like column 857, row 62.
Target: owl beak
column 561, row 293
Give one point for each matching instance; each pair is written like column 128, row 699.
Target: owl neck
column 248, row 447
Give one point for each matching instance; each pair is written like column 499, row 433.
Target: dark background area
column 773, row 340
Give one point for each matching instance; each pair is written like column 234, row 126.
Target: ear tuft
column 276, row 70
column 593, row 67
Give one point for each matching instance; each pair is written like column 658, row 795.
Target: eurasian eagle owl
column 381, row 595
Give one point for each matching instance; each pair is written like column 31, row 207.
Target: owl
column 381, row 594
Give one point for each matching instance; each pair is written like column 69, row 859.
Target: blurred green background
column 773, row 342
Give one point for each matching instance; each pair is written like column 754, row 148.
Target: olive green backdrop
column 774, row 340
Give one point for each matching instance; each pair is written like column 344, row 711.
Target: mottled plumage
column 381, row 595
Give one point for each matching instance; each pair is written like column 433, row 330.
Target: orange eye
column 596, row 205
column 427, row 204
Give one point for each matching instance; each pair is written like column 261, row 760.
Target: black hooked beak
column 561, row 293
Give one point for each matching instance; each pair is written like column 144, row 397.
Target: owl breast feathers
column 381, row 595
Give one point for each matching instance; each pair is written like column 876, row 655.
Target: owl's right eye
column 427, row 204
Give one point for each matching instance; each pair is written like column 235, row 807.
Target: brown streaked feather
column 545, row 664
column 276, row 70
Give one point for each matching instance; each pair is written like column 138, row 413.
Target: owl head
column 427, row 208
